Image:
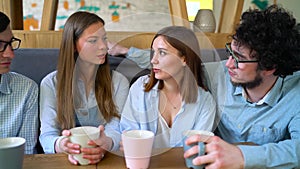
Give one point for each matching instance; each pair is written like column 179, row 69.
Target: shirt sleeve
column 130, row 114
column 140, row 56
column 206, row 117
column 121, row 88
column 284, row 154
column 128, row 117
column 112, row 131
column 50, row 129
column 30, row 125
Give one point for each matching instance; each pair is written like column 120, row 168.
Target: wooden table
column 169, row 159
column 51, row 161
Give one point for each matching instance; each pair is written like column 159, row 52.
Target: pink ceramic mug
column 137, row 145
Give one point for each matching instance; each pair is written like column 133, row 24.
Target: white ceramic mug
column 201, row 146
column 137, row 145
column 82, row 135
column 12, row 152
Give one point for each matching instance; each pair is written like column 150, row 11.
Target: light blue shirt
column 50, row 129
column 274, row 125
column 141, row 112
column 19, row 109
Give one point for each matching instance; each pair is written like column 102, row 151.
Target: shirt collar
column 271, row 98
column 155, row 87
column 260, row 102
column 156, row 91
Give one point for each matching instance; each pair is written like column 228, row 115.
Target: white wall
column 290, row 5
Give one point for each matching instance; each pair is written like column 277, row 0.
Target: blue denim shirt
column 274, row 125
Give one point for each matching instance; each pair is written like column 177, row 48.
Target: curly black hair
column 273, row 38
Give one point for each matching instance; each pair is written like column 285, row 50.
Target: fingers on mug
column 59, row 144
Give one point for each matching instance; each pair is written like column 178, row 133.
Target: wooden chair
column 178, row 13
column 230, row 15
column 49, row 15
column 14, row 10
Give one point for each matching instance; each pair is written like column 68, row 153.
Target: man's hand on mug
column 219, row 154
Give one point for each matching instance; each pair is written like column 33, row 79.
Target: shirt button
column 84, row 113
column 239, row 126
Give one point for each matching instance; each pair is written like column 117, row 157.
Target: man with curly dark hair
column 258, row 91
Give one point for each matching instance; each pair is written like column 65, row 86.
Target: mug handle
column 201, row 148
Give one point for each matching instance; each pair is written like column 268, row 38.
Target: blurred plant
column 260, row 4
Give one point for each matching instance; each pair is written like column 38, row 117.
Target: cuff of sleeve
column 116, row 138
column 253, row 156
column 140, row 56
column 130, row 52
column 48, row 143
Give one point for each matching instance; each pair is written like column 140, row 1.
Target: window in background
column 32, row 14
column 119, row 15
column 194, row 5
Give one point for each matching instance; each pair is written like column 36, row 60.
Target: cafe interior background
column 133, row 15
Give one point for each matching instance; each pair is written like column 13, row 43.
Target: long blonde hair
column 74, row 27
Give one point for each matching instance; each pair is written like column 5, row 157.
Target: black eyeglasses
column 14, row 43
column 236, row 59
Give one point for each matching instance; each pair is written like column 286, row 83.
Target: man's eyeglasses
column 236, row 59
column 14, row 43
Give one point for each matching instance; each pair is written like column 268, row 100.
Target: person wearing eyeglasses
column 257, row 92
column 18, row 94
